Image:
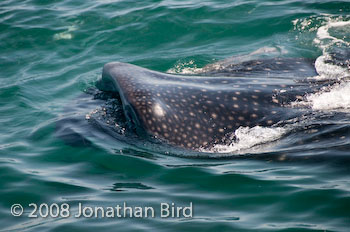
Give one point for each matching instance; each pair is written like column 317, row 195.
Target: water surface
column 52, row 54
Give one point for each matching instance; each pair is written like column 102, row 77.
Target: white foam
column 328, row 71
column 246, row 137
column 323, row 37
column 325, row 40
column 185, row 68
column 336, row 97
column 323, row 31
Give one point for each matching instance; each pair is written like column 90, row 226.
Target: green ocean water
column 51, row 52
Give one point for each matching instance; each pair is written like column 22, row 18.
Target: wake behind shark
column 196, row 112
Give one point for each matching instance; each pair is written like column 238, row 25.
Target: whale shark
column 198, row 111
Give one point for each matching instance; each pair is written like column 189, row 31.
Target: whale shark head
column 192, row 112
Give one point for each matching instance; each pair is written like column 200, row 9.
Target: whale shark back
column 297, row 68
column 194, row 111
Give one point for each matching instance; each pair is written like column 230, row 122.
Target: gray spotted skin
column 193, row 111
column 340, row 57
column 275, row 67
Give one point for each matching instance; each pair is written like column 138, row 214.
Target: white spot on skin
column 158, row 110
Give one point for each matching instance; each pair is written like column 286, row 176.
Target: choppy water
column 270, row 179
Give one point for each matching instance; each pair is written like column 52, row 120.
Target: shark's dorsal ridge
column 275, row 67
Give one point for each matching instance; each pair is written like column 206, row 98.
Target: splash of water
column 247, row 137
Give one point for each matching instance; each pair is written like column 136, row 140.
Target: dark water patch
column 124, row 186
